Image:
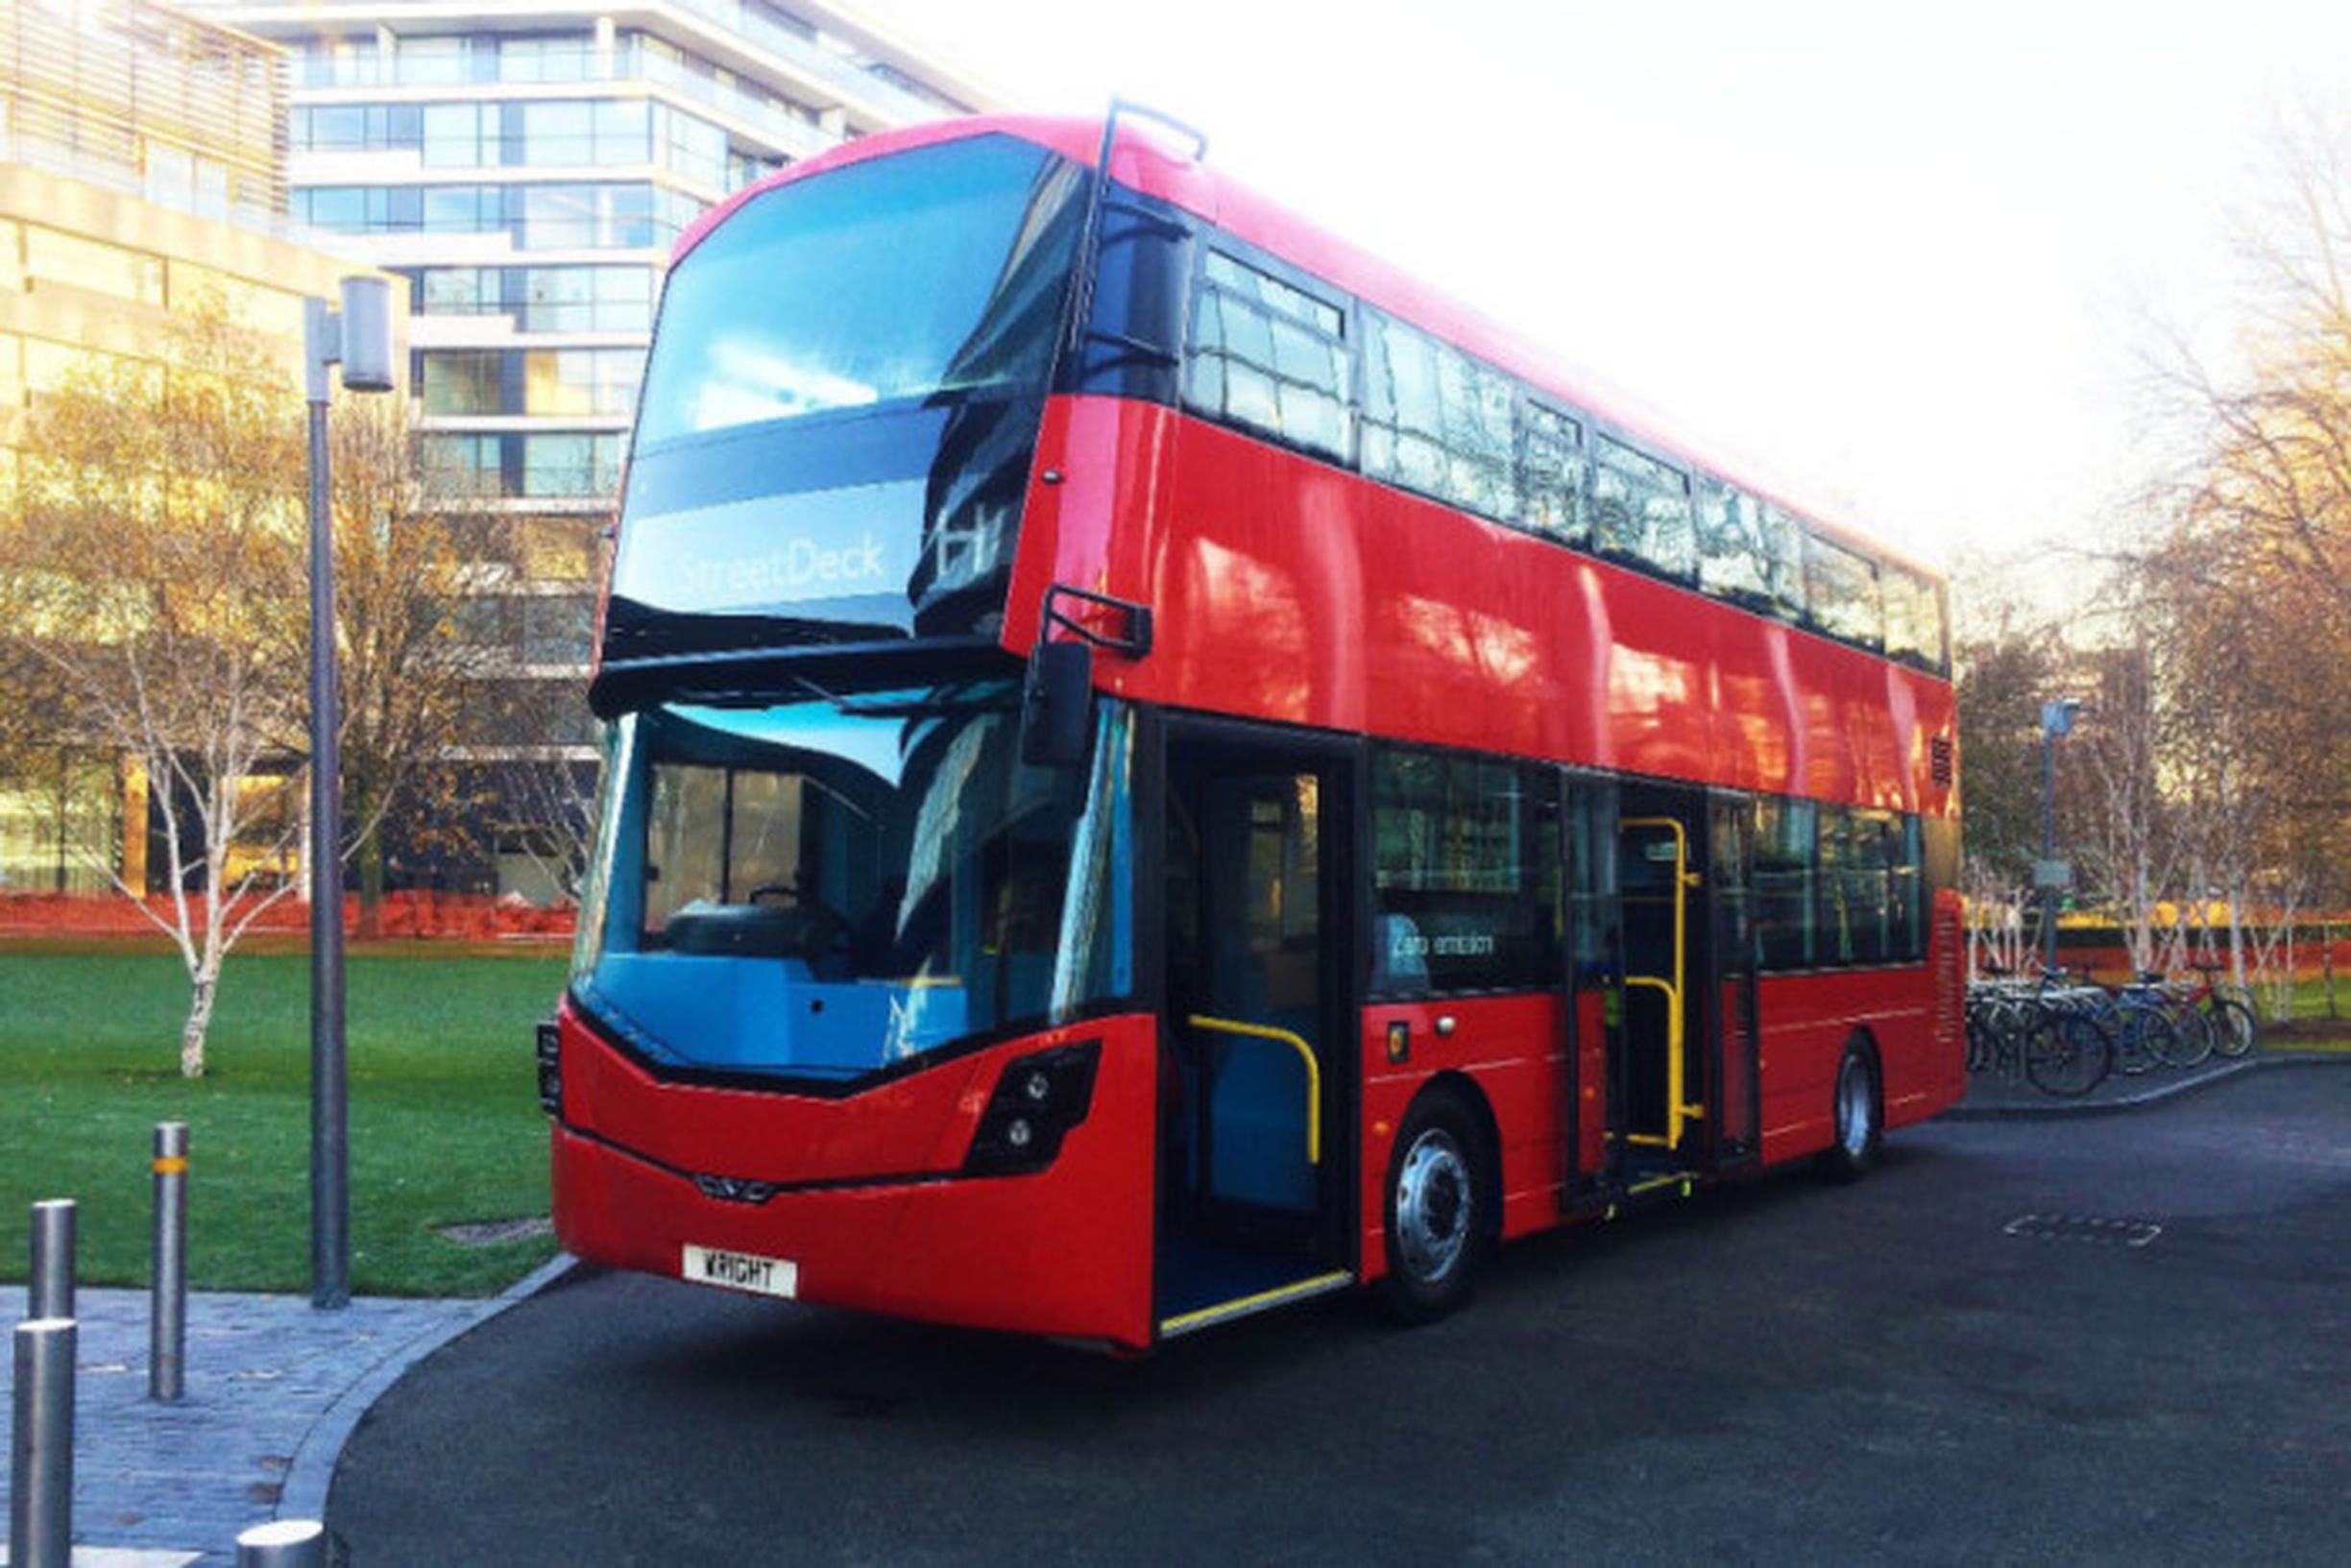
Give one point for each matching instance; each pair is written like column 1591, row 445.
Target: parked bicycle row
column 2065, row 1034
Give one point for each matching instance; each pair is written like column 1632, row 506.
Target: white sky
column 1895, row 260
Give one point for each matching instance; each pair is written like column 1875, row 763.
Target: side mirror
column 1057, row 705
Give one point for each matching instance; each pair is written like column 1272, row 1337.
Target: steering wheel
column 839, row 926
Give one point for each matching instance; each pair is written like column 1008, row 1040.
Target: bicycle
column 2037, row 1032
column 2150, row 1027
column 2226, row 1012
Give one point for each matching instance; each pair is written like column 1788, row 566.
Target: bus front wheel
column 1435, row 1221
column 1859, row 1126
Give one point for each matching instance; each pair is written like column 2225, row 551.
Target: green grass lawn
column 445, row 1120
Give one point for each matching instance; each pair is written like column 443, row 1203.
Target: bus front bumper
column 1064, row 1251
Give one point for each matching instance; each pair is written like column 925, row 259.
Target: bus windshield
column 831, row 886
column 845, row 393
column 904, row 277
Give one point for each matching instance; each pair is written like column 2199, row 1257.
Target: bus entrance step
column 1204, row 1287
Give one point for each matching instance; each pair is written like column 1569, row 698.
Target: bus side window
column 1841, row 588
column 1465, row 874
column 1640, row 510
column 1747, row 551
column 1783, row 877
column 1268, row 357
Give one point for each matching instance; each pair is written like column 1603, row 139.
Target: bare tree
column 2126, row 835
column 153, row 577
column 409, row 543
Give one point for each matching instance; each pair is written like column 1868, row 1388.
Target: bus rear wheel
column 1859, row 1127
column 1436, row 1196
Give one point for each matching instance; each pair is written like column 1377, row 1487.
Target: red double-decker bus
column 1156, row 768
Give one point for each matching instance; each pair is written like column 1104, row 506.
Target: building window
column 586, row 299
column 690, row 147
column 459, row 291
column 357, row 128
column 587, row 133
column 462, row 382
column 563, row 56
column 589, row 381
column 460, row 135
column 556, row 628
column 570, row 465
column 463, row 464
column 1640, row 510
column 1269, row 357
column 583, row 216
column 361, row 209
column 442, row 62
column 1465, row 874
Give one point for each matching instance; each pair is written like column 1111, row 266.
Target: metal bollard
column 50, row 1293
column 41, row 1446
column 283, row 1543
column 168, row 1316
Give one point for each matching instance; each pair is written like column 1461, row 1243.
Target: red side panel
column 1510, row 1047
column 1289, row 589
column 1806, row 1021
column 1592, row 1079
column 1066, row 1251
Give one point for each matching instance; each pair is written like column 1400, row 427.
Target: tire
column 1438, row 1186
column 1858, row 1116
column 2191, row 1041
column 2235, row 1029
column 2067, row 1054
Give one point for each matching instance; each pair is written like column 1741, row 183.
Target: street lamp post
column 2056, row 723
column 359, row 340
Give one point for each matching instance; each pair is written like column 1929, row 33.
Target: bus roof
column 1142, row 163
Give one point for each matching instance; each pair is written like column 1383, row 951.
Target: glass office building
column 525, row 165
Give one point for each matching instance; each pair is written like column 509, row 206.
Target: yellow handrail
column 1673, row 1063
column 1676, row 1111
column 1313, row 1071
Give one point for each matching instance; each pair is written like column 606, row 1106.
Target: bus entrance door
column 1660, row 1062
column 1250, row 1166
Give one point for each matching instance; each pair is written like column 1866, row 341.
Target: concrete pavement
column 273, row 1389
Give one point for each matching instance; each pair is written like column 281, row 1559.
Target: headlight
column 1038, row 1099
column 550, row 1068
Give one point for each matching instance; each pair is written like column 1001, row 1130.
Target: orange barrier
column 474, row 917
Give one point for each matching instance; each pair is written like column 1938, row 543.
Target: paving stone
column 174, row 1483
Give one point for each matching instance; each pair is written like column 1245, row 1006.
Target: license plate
column 741, row 1272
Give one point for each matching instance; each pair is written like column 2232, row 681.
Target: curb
column 2069, row 1109
column 312, row 1469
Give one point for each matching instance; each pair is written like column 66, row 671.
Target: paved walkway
column 273, row 1388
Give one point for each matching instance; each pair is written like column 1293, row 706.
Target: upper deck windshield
column 843, row 394
column 827, row 887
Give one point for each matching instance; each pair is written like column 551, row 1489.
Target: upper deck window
column 1551, row 474
column 931, row 275
column 1841, row 585
column 1749, row 551
column 1438, row 421
column 1914, row 618
column 1641, row 509
column 1269, row 357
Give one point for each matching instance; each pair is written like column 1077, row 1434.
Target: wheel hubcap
column 1856, row 1110
column 1433, row 1206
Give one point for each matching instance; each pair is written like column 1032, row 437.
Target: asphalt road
column 1784, row 1371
